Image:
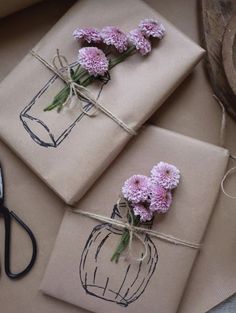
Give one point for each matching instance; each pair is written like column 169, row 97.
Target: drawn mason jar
column 123, row 282
column 50, row 128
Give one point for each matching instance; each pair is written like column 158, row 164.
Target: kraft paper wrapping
column 191, row 110
column 11, row 6
column 69, row 151
column 84, row 247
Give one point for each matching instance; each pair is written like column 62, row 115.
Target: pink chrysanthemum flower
column 166, row 175
column 143, row 213
column 89, row 34
column 152, row 28
column 141, row 43
column 93, row 60
column 113, row 36
column 136, row 188
column 161, row 199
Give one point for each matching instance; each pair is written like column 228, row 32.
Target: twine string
column 227, row 174
column 75, row 89
column 135, row 231
column 128, row 218
column 222, row 143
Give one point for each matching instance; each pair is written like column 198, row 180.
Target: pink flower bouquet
column 103, row 50
column 147, row 196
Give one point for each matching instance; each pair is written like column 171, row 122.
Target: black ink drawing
column 132, row 278
column 31, row 122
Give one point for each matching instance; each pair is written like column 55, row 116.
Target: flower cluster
column 102, row 50
column 113, row 36
column 94, row 60
column 140, row 37
column 90, row 34
column 152, row 28
column 141, row 43
column 137, row 39
column 150, row 195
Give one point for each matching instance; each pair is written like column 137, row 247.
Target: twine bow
column 128, row 223
column 75, row 89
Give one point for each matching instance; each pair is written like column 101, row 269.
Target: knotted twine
column 75, row 89
column 134, row 231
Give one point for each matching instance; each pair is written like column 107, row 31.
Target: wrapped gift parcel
column 67, row 131
column 94, row 265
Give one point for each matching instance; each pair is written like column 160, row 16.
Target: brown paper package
column 69, row 151
column 75, row 258
column 189, row 111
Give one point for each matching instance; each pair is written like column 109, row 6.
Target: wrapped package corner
column 69, row 151
column 80, row 271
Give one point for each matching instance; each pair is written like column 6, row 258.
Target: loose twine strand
column 75, row 89
column 134, row 231
column 222, row 143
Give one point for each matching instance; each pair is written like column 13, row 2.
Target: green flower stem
column 124, row 242
column 77, row 70
column 59, row 99
column 122, row 57
column 82, row 77
column 121, row 247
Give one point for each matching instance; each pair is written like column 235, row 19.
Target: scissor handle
column 7, row 220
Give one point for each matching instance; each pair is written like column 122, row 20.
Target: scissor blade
column 1, row 185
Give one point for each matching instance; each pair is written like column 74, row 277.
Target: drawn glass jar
column 123, row 282
column 49, row 129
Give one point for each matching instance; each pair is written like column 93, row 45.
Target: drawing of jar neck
column 49, row 129
column 123, row 282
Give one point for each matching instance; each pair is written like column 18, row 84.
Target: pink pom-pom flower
column 93, row 60
column 90, row 34
column 161, row 199
column 141, row 43
column 166, row 175
column 152, row 28
column 144, row 214
column 113, row 36
column 136, row 188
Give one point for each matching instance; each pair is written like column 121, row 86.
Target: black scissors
column 8, row 216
